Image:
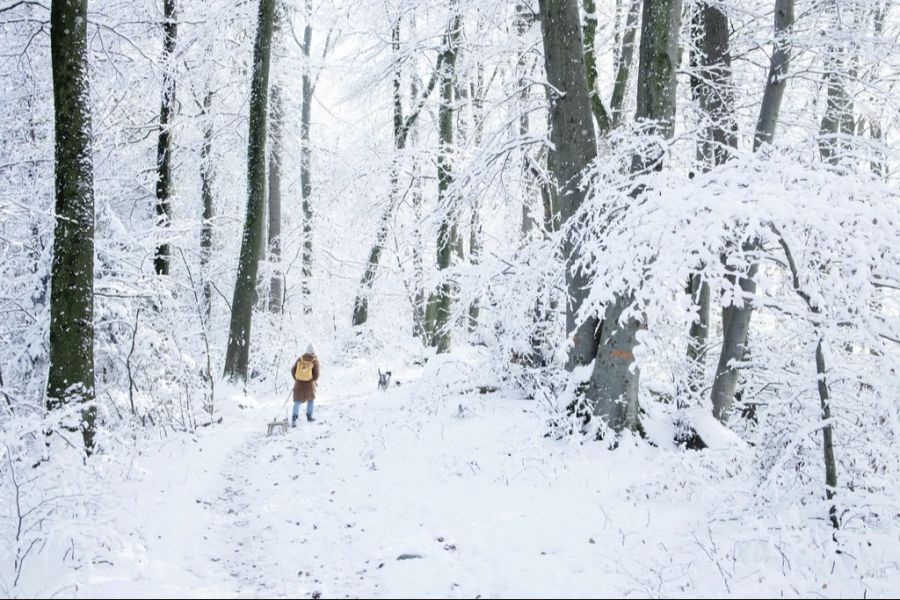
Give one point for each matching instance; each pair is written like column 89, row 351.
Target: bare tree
column 402, row 128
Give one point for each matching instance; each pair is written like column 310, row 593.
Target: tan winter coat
column 306, row 390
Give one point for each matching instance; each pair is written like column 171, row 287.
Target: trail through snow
column 393, row 495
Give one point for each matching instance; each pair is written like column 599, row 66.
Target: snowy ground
column 467, row 488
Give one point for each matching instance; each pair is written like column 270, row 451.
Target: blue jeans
column 309, row 409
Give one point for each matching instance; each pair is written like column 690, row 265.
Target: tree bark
column 477, row 92
column 276, row 291
column 206, row 183
column 361, row 303
column 589, row 32
column 778, row 71
column 615, row 380
column 878, row 164
column 698, row 335
column 697, row 288
column 418, row 295
column 419, row 329
column 837, row 124
column 305, row 163
column 658, row 61
column 837, row 121
column 624, row 61
column 575, row 146
column 712, row 89
column 736, row 319
column 71, row 375
column 522, row 20
column 164, row 183
column 827, row 435
column 448, row 236
column 238, row 352
column 717, row 90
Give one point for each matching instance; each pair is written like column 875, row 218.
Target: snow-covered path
column 394, row 495
column 333, row 507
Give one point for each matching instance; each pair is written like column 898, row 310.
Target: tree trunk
column 361, row 303
column 521, row 23
column 717, row 92
column 572, row 136
column 477, row 92
column 778, row 71
column 164, row 184
column 712, row 88
column 878, row 164
column 475, row 233
column 827, row 435
column 658, row 61
column 696, row 60
column 624, row 60
column 206, row 183
column 698, row 335
column 276, row 290
column 736, row 319
column 590, row 59
column 550, row 194
column 238, row 352
column 837, row 122
column 448, row 237
column 614, row 384
column 418, row 284
column 305, row 155
column 418, row 262
column 821, row 384
column 71, row 375
column 697, row 288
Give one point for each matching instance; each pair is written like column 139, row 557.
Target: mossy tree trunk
column 448, row 241
column 71, row 376
column 589, row 31
column 305, row 162
column 237, row 354
column 276, row 290
column 164, row 184
column 206, row 192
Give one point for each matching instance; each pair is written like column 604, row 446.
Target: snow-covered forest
column 605, row 295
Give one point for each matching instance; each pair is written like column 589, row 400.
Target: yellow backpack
column 304, row 370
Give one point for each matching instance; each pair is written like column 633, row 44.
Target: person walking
column 306, row 375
